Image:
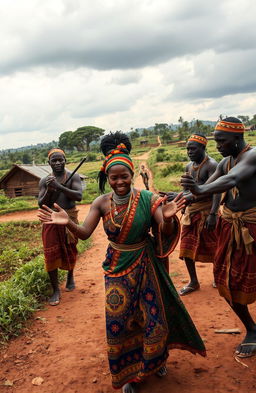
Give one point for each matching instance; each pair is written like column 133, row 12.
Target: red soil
column 65, row 345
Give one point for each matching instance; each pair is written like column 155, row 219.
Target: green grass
column 25, row 283
column 20, row 242
column 9, row 205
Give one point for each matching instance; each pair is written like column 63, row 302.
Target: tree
column 65, row 140
column 245, row 119
column 160, row 128
column 26, row 158
column 181, row 121
column 134, row 135
column 83, row 136
column 167, row 137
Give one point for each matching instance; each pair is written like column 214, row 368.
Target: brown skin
column 196, row 153
column 51, row 190
column 241, row 176
column 120, row 180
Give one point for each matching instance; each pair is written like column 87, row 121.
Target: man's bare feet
column 70, row 284
column 162, row 372
column 55, row 298
column 188, row 289
column 129, row 388
column 248, row 347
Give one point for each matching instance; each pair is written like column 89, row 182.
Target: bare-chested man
column 198, row 237
column 235, row 261
column 59, row 245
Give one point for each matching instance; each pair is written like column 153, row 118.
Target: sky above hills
column 118, row 64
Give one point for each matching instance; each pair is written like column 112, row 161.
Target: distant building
column 23, row 180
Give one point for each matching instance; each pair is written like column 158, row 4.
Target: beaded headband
column 199, row 139
column 228, row 126
column 117, row 157
column 56, row 150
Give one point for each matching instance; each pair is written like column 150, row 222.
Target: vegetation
column 24, row 281
column 8, row 205
column 80, row 139
column 27, row 245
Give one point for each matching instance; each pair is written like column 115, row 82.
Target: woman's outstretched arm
column 59, row 216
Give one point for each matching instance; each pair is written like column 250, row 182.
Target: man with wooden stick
column 235, row 260
column 59, row 244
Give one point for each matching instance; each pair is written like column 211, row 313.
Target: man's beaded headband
column 198, row 138
column 228, row 126
column 56, row 150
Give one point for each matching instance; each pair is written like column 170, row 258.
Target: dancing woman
column 144, row 315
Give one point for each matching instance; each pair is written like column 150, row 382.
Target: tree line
column 87, row 138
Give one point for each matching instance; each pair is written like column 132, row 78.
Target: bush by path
column 23, row 293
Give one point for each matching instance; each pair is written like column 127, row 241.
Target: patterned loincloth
column 235, row 260
column 60, row 245
column 197, row 243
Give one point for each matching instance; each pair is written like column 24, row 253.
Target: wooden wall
column 21, row 184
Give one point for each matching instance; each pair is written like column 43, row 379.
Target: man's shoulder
column 42, row 180
column 212, row 161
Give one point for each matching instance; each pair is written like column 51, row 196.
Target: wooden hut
column 23, row 180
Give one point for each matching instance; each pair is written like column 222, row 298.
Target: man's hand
column 52, row 183
column 170, row 195
column 210, row 222
column 189, row 183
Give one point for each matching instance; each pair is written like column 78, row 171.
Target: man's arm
column 242, row 171
column 47, row 196
column 73, row 193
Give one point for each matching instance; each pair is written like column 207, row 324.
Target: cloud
column 118, row 64
column 121, row 34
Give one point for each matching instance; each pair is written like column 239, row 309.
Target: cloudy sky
column 118, row 64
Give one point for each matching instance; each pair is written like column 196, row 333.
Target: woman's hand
column 48, row 216
column 169, row 209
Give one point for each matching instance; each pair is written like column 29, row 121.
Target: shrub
column 172, row 169
column 91, row 156
column 160, row 157
column 20, row 296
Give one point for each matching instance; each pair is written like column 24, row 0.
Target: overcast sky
column 118, row 64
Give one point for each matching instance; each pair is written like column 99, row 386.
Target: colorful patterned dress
column 144, row 314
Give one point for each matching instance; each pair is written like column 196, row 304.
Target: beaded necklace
column 197, row 168
column 113, row 206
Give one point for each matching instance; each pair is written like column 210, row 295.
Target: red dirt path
column 65, row 345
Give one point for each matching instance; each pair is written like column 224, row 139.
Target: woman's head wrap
column 230, row 126
column 56, row 150
column 198, row 138
column 117, row 156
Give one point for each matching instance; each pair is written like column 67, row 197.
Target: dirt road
column 65, row 345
